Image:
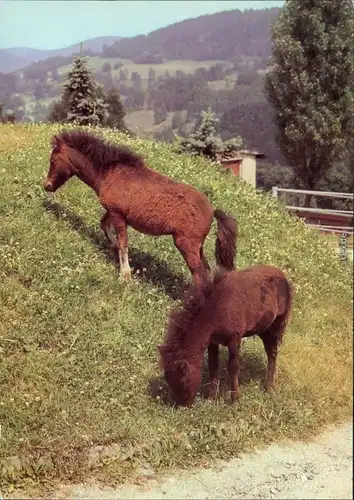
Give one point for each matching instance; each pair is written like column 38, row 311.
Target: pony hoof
column 210, row 392
column 234, row 397
column 126, row 276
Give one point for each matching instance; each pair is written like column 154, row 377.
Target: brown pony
column 135, row 195
column 252, row 301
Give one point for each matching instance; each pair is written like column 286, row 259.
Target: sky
column 52, row 24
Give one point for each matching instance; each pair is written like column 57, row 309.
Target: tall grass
column 78, row 346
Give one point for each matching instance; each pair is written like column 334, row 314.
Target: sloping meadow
column 79, row 372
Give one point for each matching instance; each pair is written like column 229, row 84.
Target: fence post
column 275, row 192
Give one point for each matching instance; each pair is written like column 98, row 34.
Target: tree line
column 310, row 88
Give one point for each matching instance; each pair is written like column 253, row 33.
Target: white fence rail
column 327, row 194
column 347, row 214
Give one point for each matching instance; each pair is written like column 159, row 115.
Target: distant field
column 96, row 63
column 141, row 122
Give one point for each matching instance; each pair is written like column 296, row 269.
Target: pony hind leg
column 271, row 340
column 105, row 225
column 120, row 225
column 190, row 250
column 204, row 261
column 234, row 367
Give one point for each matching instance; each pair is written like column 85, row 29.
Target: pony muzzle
column 48, row 186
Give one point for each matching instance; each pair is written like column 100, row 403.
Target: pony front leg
column 233, row 369
column 213, row 365
column 120, row 226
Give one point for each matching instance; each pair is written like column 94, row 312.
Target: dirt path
column 321, row 469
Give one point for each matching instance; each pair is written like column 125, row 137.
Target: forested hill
column 224, row 36
column 16, row 58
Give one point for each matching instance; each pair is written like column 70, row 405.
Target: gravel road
column 320, row 469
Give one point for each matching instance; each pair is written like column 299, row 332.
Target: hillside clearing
column 140, row 120
column 96, row 63
column 142, row 123
column 78, row 346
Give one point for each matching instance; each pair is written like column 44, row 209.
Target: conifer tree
column 206, row 141
column 85, row 105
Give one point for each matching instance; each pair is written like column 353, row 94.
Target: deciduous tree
column 115, row 110
column 311, row 84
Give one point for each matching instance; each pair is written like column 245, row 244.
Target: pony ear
column 161, row 348
column 56, row 143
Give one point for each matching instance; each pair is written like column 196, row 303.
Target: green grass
column 334, row 240
column 78, row 346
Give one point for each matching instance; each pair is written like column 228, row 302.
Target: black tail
column 225, row 248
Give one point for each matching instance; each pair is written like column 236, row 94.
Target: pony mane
column 102, row 154
column 181, row 318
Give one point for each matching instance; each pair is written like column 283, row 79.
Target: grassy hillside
column 78, row 346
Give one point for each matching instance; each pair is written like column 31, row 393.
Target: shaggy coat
column 252, row 301
column 135, row 195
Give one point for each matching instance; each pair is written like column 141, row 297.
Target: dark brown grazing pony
column 252, row 301
column 135, row 195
